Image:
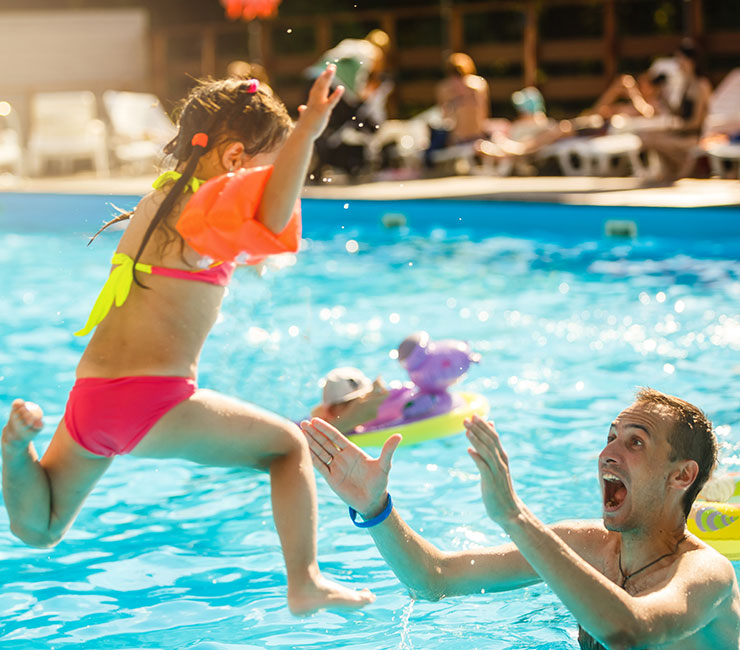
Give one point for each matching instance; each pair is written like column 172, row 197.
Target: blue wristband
column 369, row 523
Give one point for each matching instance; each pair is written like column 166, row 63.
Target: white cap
column 344, row 384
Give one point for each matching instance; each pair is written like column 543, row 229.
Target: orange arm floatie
column 219, row 220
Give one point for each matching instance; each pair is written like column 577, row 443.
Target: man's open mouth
column 615, row 492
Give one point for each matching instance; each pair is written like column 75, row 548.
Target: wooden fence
column 570, row 49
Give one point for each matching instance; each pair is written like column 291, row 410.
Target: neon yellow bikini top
column 172, row 177
column 118, row 285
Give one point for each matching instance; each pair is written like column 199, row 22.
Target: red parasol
column 250, row 9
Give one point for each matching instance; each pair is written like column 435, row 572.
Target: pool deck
column 689, row 193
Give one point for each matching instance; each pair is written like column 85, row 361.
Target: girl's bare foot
column 321, row 593
column 24, row 423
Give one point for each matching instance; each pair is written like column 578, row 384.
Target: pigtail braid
column 213, row 112
column 165, row 208
column 123, row 216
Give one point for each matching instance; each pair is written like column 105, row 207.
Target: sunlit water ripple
column 171, row 555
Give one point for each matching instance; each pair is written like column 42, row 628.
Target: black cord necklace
column 648, row 565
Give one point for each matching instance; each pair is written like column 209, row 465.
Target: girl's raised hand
column 314, row 115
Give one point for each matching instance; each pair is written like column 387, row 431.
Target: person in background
column 463, row 98
column 353, row 404
column 362, row 71
column 675, row 146
column 643, row 97
column 532, row 119
column 530, row 131
column 360, row 63
column 653, row 93
column 349, row 398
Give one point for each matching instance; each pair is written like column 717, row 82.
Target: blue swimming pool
column 168, row 555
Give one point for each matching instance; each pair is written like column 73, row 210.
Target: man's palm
column 359, row 480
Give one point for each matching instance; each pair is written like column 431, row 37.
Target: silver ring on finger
column 329, row 462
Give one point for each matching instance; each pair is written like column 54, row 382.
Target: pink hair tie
column 252, row 85
column 200, row 140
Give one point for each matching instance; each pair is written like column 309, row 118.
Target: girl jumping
column 136, row 388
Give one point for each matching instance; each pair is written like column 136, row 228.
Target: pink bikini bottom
column 110, row 416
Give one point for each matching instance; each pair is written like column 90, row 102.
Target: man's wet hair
column 692, row 438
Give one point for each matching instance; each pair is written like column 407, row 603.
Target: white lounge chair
column 724, row 117
column 139, row 127
column 724, row 104
column 410, row 137
column 724, row 153
column 11, row 152
column 65, row 128
column 618, row 151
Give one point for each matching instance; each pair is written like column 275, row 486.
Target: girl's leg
column 44, row 496
column 212, row 429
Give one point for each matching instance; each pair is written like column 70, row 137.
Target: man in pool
column 637, row 579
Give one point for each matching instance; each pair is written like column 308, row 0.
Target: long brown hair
column 227, row 109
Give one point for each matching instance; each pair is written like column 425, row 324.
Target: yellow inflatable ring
column 438, row 426
column 718, row 522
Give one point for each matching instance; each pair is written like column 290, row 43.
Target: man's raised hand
column 358, row 479
column 496, row 489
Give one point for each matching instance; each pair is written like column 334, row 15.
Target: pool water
column 169, row 555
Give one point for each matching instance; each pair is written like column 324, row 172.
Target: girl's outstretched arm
column 291, row 165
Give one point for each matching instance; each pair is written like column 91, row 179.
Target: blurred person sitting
column 674, row 146
column 649, row 102
column 533, row 129
column 633, row 97
column 361, row 68
column 463, row 98
column 532, row 119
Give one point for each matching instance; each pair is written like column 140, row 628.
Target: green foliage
column 636, row 17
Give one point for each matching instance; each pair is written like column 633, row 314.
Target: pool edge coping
column 594, row 191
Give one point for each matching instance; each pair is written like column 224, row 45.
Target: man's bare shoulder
column 708, row 581
column 587, row 537
column 699, row 561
